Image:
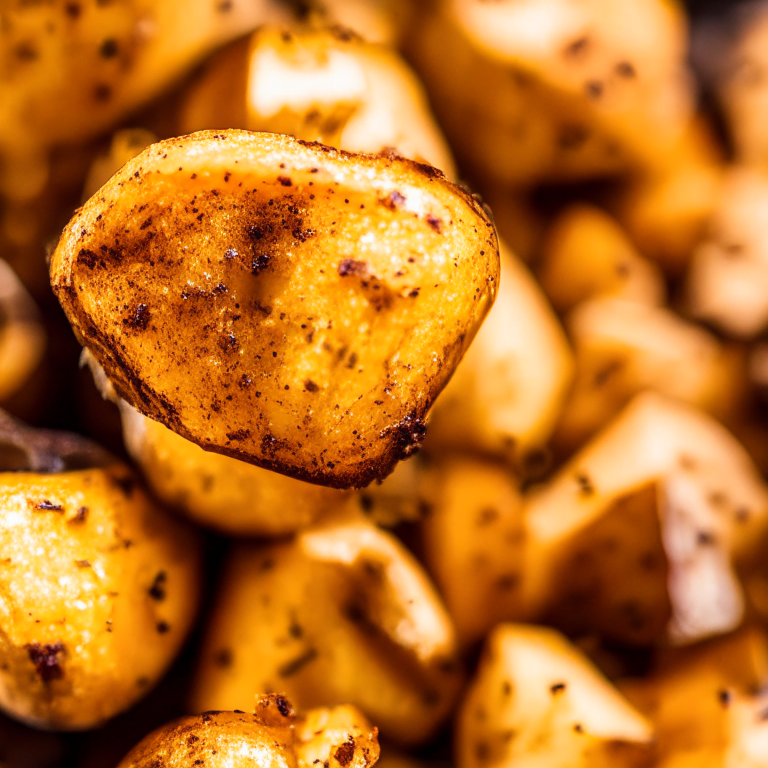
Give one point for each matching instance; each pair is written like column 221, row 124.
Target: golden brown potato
column 272, row 737
column 98, row 587
column 703, row 706
column 124, row 146
column 473, row 541
column 217, row 491
column 280, row 302
column 586, row 255
column 726, row 283
column 322, row 85
column 623, row 348
column 667, row 207
column 645, row 533
column 72, row 69
column 507, row 393
column 537, row 701
column 22, row 336
column 378, row 21
column 555, row 89
column 341, row 614
column 742, row 86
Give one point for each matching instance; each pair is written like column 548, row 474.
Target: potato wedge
column 728, row 273
column 537, row 701
column 71, row 70
column 98, row 587
column 586, row 254
column 22, row 336
column 474, row 536
column 507, row 393
column 702, row 703
column 304, row 321
column 323, row 85
column 554, row 89
column 644, row 534
column 343, row 613
column 218, row 492
column 270, row 737
column 623, row 348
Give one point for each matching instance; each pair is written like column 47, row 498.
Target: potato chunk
column 646, row 533
column 726, row 284
column 323, row 85
column 555, row 89
column 98, row 587
column 272, row 737
column 280, row 302
column 343, row 613
column 536, row 701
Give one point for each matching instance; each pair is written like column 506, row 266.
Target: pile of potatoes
column 383, row 381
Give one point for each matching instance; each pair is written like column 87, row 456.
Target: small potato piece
column 125, row 145
column 473, row 540
column 623, row 348
column 537, row 701
column 666, row 208
column 22, row 336
column 742, row 87
column 217, row 491
column 728, row 276
column 272, row 737
column 71, row 70
column 98, row 587
column 701, row 702
column 331, row 292
column 555, row 89
column 648, row 527
column 506, row 395
column 341, row 614
column 323, row 85
column 586, row 255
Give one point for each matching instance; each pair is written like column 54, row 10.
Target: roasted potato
column 703, row 706
column 22, row 336
column 474, row 535
column 622, row 348
column 323, row 85
column 742, row 87
column 536, row 701
column 341, row 614
column 217, row 491
column 506, row 395
column 586, row 255
column 72, row 69
column 643, row 535
column 343, row 338
column 667, row 207
column 555, row 89
column 728, row 275
column 98, row 587
column 272, row 736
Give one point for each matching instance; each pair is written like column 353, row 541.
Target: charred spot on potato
column 283, row 706
column 626, row 69
column 344, row 754
column 45, row 658
column 157, row 589
column 586, row 488
column 557, row 688
column 163, row 627
column 139, row 319
column 48, row 506
column 224, row 658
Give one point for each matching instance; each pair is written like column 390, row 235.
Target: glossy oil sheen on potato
column 280, row 302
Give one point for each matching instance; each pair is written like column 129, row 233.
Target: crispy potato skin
column 280, row 302
column 272, row 737
column 97, row 591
